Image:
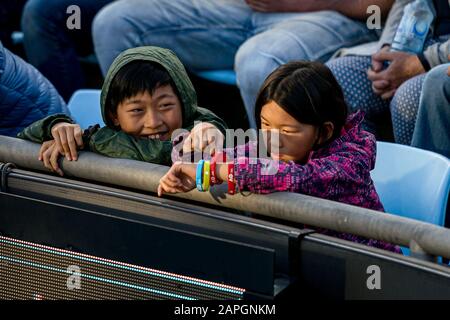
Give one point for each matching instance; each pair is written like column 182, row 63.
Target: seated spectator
column 432, row 130
column 371, row 87
column 146, row 96
column 321, row 151
column 253, row 36
column 26, row 95
column 52, row 47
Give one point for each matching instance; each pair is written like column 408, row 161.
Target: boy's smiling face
column 148, row 116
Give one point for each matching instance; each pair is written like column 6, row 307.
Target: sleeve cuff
column 52, row 121
column 87, row 134
column 424, row 61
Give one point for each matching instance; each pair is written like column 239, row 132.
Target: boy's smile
column 153, row 116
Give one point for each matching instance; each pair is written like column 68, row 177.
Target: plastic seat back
column 84, row 106
column 412, row 182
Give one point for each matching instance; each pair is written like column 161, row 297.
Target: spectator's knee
column 403, row 102
column 437, row 78
column 109, row 34
column 436, row 84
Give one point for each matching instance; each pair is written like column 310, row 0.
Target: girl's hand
column 180, row 178
column 68, row 138
column 49, row 154
column 204, row 137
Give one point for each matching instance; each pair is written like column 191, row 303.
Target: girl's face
column 296, row 139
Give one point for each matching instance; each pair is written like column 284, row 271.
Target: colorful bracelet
column 231, row 183
column 206, row 174
column 199, row 175
column 221, row 156
column 213, row 180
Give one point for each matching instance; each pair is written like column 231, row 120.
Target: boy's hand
column 49, row 154
column 180, row 178
column 204, row 137
column 68, row 137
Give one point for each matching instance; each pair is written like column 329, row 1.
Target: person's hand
column 68, row 138
column 378, row 66
column 403, row 66
column 49, row 154
column 282, row 5
column 179, row 178
column 204, row 137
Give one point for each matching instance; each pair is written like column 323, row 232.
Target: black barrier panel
column 31, row 271
column 145, row 208
column 69, row 214
column 337, row 269
column 188, row 254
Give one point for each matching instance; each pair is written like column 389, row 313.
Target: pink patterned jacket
column 339, row 171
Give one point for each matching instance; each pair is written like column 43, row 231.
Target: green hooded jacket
column 112, row 142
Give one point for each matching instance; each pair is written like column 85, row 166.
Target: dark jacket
column 25, row 94
column 112, row 142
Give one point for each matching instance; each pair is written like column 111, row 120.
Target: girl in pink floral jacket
column 320, row 150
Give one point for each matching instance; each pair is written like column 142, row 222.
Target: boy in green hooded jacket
column 146, row 96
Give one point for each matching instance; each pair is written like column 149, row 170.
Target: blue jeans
column 432, row 131
column 54, row 49
column 224, row 34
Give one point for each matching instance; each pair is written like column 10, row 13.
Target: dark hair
column 307, row 91
column 134, row 78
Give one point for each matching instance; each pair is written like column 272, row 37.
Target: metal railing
column 423, row 238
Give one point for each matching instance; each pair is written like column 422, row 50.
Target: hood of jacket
column 170, row 62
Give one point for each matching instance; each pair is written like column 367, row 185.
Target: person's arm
column 40, row 130
column 314, row 178
column 207, row 132
column 324, row 177
column 437, row 54
column 404, row 66
column 118, row 144
column 392, row 22
column 205, row 115
column 356, row 9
